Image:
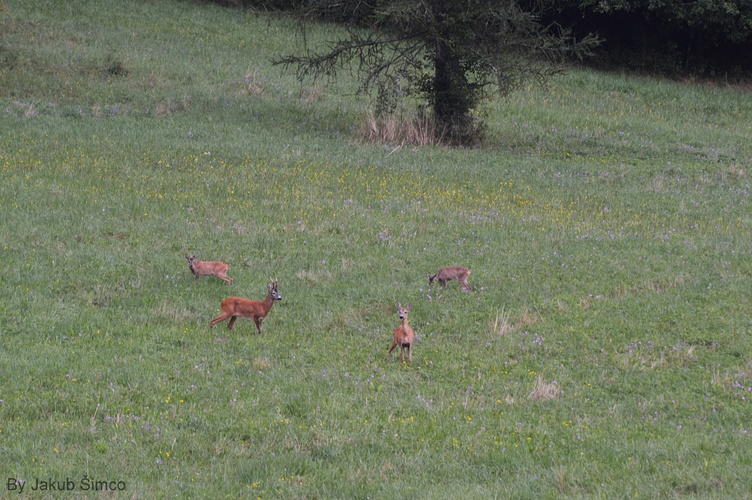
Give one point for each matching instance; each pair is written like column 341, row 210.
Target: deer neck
column 268, row 302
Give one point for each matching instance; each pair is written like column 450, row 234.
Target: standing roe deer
column 403, row 335
column 200, row 268
column 450, row 273
column 236, row 307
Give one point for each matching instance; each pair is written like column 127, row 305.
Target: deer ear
column 408, row 306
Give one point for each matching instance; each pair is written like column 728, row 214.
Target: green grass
column 606, row 222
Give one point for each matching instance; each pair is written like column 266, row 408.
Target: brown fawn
column 404, row 336
column 450, row 273
column 236, row 307
column 200, row 268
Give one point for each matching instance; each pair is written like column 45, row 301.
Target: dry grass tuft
column 732, row 172
column 314, row 277
column 560, row 479
column 649, row 286
column 163, row 109
column 543, row 391
column 169, row 107
column 418, row 130
column 31, row 111
column 172, row 312
column 312, row 95
column 501, row 325
column 261, row 364
column 253, row 84
column 528, row 319
column 154, row 80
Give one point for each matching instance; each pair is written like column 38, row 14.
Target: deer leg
column 258, row 324
column 232, row 322
column 394, row 344
column 410, row 353
column 219, row 318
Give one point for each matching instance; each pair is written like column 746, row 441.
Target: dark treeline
column 710, row 38
column 706, row 38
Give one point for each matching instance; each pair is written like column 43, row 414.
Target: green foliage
column 604, row 351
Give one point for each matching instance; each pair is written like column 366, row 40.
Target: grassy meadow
column 604, row 352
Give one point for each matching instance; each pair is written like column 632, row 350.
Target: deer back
column 247, row 308
column 253, row 308
column 203, row 268
column 452, row 273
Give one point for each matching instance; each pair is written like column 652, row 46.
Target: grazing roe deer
column 450, row 273
column 404, row 336
column 200, row 268
column 236, row 307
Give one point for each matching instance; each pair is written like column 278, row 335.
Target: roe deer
column 200, row 268
column 403, row 335
column 235, row 307
column 450, row 273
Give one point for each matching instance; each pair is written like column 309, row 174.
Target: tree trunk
column 452, row 97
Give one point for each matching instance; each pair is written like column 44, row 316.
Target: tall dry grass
column 417, row 128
